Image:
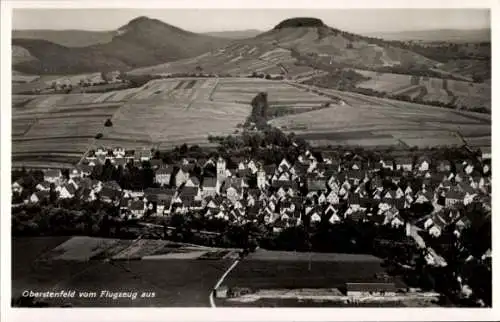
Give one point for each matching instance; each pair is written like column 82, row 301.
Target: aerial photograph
column 251, row 158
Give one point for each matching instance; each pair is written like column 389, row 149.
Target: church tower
column 261, row 179
column 221, row 169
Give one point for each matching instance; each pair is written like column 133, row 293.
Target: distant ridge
column 67, row 38
column 141, row 42
column 445, row 35
column 234, row 34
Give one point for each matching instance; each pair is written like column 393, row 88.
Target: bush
column 108, row 123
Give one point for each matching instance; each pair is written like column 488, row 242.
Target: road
column 221, row 280
column 440, row 261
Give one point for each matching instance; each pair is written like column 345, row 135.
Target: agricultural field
column 60, row 128
column 79, row 266
column 48, row 129
column 372, row 122
column 244, row 90
column 463, row 94
column 266, row 271
column 169, row 112
column 29, row 83
column 469, row 68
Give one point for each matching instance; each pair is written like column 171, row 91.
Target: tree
column 183, row 149
column 105, row 77
column 108, row 123
column 98, row 136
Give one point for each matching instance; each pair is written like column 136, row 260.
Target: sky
column 207, row 20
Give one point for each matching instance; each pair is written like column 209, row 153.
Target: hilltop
column 292, row 41
column 300, row 22
column 141, row 42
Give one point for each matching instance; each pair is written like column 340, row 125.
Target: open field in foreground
column 289, row 270
column 280, row 279
column 373, row 122
column 175, row 282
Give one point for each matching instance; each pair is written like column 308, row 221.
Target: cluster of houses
column 284, row 194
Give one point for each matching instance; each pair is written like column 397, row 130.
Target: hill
column 236, row 34
column 438, row 35
column 141, row 42
column 67, row 38
column 284, row 48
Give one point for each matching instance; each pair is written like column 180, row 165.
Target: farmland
column 266, row 271
column 175, row 282
column 165, row 113
column 463, row 94
column 374, row 122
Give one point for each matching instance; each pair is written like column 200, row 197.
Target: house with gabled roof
column 234, row 193
column 356, row 176
column 66, row 191
column 85, row 170
column 87, row 195
column 316, row 184
column 423, row 164
column 486, row 152
column 52, row 175
column 17, row 186
column 354, row 200
column 454, row 196
column 436, row 226
column 357, row 215
column 156, row 164
column 125, row 205
column 163, row 175
column 76, row 182
column 43, row 186
column 443, row 166
column 221, row 215
column 109, row 195
column 399, row 193
column 404, row 163
column 181, row 177
column 75, row 173
column 424, row 196
column 315, row 216
column 209, row 186
column 101, row 151
column 332, row 213
column 137, row 209
column 193, row 181
column 387, row 164
column 39, row 197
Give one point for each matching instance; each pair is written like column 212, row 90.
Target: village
column 419, row 198
column 282, row 195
